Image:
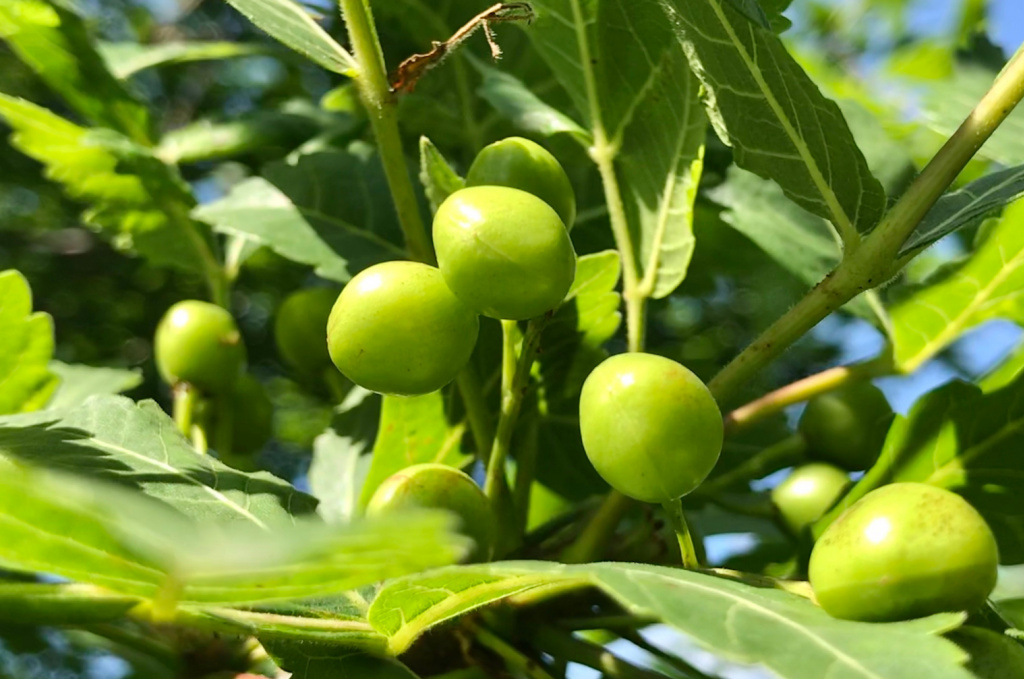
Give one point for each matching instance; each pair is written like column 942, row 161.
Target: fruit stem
column 877, row 260
column 591, row 543
column 806, row 389
column 375, row 93
column 515, row 659
column 479, row 418
column 674, row 509
column 776, row 456
column 561, row 644
column 526, row 469
column 184, row 406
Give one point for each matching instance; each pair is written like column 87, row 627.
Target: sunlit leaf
column 26, row 347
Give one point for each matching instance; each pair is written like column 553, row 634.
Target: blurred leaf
column 967, row 207
column 780, row 126
column 141, row 203
column 413, row 430
column 79, row 382
column 54, row 42
column 1005, row 373
column 26, row 347
column 331, row 662
column 923, row 60
column 137, row 445
column 214, row 140
column 68, row 604
column 293, row 212
column 125, row 59
column 340, row 463
column 438, row 178
column 774, row 629
column 289, row 23
column 985, row 284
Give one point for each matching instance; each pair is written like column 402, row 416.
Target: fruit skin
column 650, row 427
column 525, row 165
column 993, row 655
column 904, row 551
column 438, row 486
column 300, row 329
column 807, row 493
column 199, row 343
column 396, row 328
column 847, row 427
column 504, row 252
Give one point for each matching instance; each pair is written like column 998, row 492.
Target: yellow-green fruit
column 504, row 252
column 525, row 165
column 437, row 486
column 650, row 427
column 807, row 493
column 396, row 328
column 847, row 427
column 199, row 343
column 300, row 330
column 904, row 551
column 993, row 655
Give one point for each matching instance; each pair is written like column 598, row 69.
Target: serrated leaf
column 54, row 42
column 985, row 284
column 293, row 212
column 413, row 430
column 967, row 207
column 26, row 347
column 762, row 103
column 762, row 626
column 290, row 24
column 438, row 178
column 628, row 78
column 125, row 59
column 138, row 201
column 79, row 382
column 138, row 445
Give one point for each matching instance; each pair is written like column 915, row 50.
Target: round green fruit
column 437, row 486
column 504, row 252
column 525, row 165
column 199, row 343
column 650, row 427
column 807, row 493
column 300, row 330
column 904, row 551
column 993, row 655
column 847, row 427
column 396, row 328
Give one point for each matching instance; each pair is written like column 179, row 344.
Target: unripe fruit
column 438, row 486
column 199, row 343
column 847, row 427
column 503, row 252
column 525, row 165
column 299, row 330
column 904, row 551
column 993, row 655
column 807, row 493
column 650, row 427
column 396, row 328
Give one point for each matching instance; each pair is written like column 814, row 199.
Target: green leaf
column 290, row 24
column 125, row 59
column 79, row 382
column 779, row 124
column 138, row 201
column 26, row 347
column 438, row 178
column 984, row 285
column 340, row 464
column 628, row 77
column 54, row 42
column 330, row 662
column 258, row 131
column 413, row 430
column 771, row 628
column 291, row 211
column 72, row 604
column 137, row 445
column 967, row 207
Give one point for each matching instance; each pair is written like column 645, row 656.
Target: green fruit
column 199, row 343
column 904, row 551
column 847, row 427
column 504, row 252
column 807, row 493
column 993, row 655
column 525, row 165
column 300, row 330
column 396, row 328
column 251, row 416
column 437, row 486
column 650, row 427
